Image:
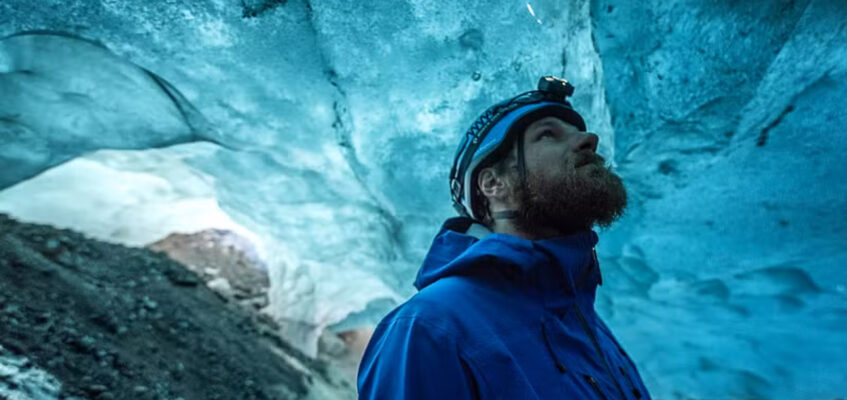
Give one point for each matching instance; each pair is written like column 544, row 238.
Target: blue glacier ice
column 323, row 131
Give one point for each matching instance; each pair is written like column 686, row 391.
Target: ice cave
column 315, row 137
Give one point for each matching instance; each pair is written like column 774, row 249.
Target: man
column 505, row 308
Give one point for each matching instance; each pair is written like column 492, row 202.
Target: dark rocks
column 108, row 322
column 96, row 389
column 121, row 325
column 52, row 246
column 149, row 304
column 225, row 261
column 11, row 308
column 182, row 278
column 83, row 345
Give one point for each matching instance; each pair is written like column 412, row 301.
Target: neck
column 508, row 226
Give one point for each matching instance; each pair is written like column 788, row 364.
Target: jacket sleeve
column 409, row 359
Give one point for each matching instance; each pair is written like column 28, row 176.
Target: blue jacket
column 500, row 318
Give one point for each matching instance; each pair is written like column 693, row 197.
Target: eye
column 547, row 133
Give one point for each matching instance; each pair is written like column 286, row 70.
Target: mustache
column 589, row 158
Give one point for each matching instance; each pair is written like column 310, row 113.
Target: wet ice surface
column 338, row 122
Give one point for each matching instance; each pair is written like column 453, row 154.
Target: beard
column 589, row 194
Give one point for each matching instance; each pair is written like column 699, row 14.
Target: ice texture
column 64, row 96
column 21, row 380
column 324, row 131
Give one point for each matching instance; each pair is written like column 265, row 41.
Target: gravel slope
column 112, row 322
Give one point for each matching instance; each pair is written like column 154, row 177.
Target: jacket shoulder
column 451, row 296
column 409, row 350
column 454, row 308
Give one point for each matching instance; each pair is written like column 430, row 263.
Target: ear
column 491, row 185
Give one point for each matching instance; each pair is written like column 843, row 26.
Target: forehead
column 551, row 122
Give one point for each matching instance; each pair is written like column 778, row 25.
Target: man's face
column 568, row 187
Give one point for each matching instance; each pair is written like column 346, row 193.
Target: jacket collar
column 558, row 270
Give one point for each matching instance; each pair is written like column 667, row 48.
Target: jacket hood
column 548, row 264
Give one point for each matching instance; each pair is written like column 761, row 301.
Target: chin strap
column 510, row 214
column 521, row 159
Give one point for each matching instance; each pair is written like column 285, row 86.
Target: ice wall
column 64, row 96
column 729, row 125
column 332, row 125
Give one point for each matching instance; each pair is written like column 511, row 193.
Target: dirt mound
column 112, row 322
column 224, row 260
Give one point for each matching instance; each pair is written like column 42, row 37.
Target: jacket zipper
column 597, row 348
column 594, row 385
column 635, row 390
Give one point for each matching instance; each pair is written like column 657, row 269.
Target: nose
column 588, row 141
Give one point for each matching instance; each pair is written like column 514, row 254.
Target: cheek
column 553, row 170
column 549, row 158
column 550, row 164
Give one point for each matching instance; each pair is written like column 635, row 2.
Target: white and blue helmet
column 495, row 130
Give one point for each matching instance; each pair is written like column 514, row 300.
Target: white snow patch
column 20, row 380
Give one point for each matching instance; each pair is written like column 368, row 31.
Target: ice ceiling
column 323, row 131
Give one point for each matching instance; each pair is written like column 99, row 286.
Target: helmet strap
column 521, row 158
column 509, row 214
column 512, row 214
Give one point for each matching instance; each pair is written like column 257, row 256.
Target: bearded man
column 505, row 308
